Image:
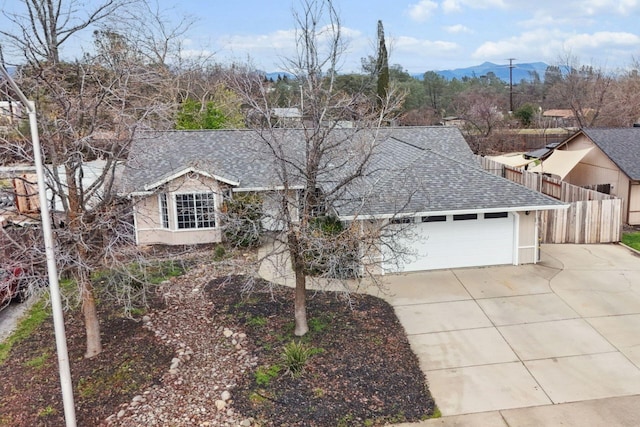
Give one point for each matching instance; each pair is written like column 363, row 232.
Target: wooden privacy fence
column 592, row 217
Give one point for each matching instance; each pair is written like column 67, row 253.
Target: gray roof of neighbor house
column 411, row 169
column 621, row 145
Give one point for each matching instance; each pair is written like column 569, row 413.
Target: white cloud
column 548, row 45
column 277, row 39
column 450, row 6
column 595, row 7
column 422, row 10
column 545, row 19
column 457, row 29
column 569, row 10
column 603, row 39
column 423, row 47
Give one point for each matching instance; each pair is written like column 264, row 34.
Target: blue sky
column 422, row 34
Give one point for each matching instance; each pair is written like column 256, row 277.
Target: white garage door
column 454, row 241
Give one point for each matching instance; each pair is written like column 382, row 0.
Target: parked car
column 12, row 285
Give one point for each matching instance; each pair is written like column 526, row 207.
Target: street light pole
column 54, row 286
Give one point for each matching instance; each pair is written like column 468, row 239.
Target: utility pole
column 511, row 66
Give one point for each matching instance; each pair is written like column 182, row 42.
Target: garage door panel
column 452, row 244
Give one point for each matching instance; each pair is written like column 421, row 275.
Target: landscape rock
column 220, row 405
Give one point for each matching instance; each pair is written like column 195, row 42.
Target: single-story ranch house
column 425, row 178
column 604, row 159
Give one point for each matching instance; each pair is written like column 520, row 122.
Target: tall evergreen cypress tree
column 382, row 67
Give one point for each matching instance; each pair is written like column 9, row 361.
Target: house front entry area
column 455, row 241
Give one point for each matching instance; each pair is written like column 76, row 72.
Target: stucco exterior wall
column 149, row 229
column 596, row 168
column 634, row 203
column 371, row 246
column 527, row 238
column 271, row 204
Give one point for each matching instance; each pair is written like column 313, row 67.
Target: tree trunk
column 300, row 304
column 300, row 301
column 91, row 323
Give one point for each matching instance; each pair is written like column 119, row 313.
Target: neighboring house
column 19, row 194
column 286, row 117
column 541, row 153
column 560, row 118
column 453, row 121
column 607, row 160
column 423, row 179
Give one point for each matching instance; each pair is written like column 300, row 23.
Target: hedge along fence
column 592, row 217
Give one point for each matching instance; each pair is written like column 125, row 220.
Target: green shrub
column 219, row 252
column 243, row 220
column 295, row 357
column 331, row 249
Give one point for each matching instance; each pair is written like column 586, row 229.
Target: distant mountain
column 520, row 71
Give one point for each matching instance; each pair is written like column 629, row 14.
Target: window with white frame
column 197, row 210
column 164, row 210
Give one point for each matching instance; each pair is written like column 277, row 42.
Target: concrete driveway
column 498, row 338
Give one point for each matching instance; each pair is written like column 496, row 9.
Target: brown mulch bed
column 362, row 372
column 132, row 360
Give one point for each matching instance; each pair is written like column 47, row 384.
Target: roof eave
column 456, row 212
column 185, row 171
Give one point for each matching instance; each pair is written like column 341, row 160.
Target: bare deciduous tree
column 43, row 26
column 583, row 89
column 89, row 111
column 319, row 165
column 480, row 108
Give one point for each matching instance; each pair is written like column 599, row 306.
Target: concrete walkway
column 556, row 343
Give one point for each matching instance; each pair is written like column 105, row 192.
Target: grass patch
column 436, row 413
column 136, row 273
column 122, row 379
column 632, row 240
column 33, row 318
column 264, row 374
column 38, row 362
column 320, row 323
column 256, row 321
column 45, row 412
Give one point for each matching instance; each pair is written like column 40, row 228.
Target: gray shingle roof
column 432, row 182
column 621, row 145
column 236, row 155
column 412, row 169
